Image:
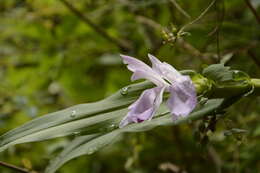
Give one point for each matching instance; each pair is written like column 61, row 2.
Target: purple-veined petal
column 145, row 107
column 183, row 97
column 142, row 71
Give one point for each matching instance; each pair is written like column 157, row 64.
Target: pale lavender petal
column 145, row 107
column 164, row 69
column 142, row 71
column 156, row 63
column 183, row 97
column 134, row 64
column 151, row 76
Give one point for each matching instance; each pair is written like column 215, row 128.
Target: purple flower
column 182, row 99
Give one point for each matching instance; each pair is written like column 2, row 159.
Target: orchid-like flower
column 182, row 98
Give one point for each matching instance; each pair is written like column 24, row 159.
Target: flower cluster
column 182, row 98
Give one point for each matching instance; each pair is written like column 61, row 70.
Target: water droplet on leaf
column 73, row 114
column 76, row 133
column 124, row 91
column 108, row 128
column 112, row 125
column 92, row 150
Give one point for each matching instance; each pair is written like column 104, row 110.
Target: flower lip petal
column 183, row 98
column 145, row 107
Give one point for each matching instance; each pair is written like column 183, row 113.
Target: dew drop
column 124, row 91
column 73, row 114
column 92, row 150
column 111, row 127
column 76, row 133
column 108, row 128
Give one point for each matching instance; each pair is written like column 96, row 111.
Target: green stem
column 229, row 90
column 210, row 89
column 256, row 84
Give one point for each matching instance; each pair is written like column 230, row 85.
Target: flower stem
column 210, row 89
column 256, row 84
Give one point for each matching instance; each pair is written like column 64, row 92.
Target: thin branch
column 240, row 50
column 205, row 57
column 120, row 43
column 253, row 10
column 200, row 16
column 220, row 18
column 150, row 22
column 180, row 9
column 15, row 168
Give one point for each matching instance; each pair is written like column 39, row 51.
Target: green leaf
column 80, row 119
column 218, row 73
column 88, row 144
column 226, row 58
column 83, row 118
column 64, row 156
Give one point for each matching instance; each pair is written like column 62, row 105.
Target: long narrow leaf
column 74, row 119
column 83, row 145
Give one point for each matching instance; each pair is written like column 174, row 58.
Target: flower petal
column 145, row 107
column 183, row 97
column 134, row 64
column 142, row 71
column 164, row 69
column 156, row 64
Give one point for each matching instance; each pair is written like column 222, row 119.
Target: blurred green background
column 52, row 57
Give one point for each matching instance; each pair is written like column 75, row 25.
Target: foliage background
column 51, row 59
